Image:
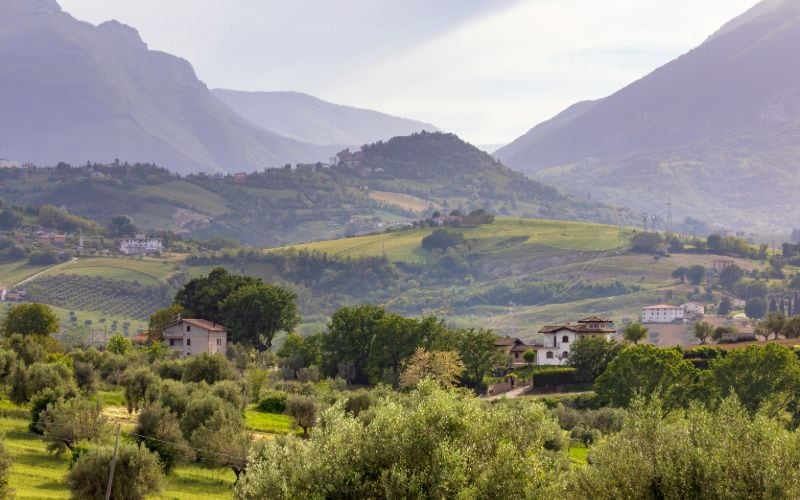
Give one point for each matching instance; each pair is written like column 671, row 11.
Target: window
column 565, row 339
column 188, row 341
column 171, row 342
column 219, row 341
column 188, row 328
column 516, row 355
column 549, row 354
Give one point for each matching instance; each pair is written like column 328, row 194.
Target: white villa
column 196, row 336
column 140, row 245
column 665, row 313
column 558, row 338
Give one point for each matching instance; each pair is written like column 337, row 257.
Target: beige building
column 196, row 336
column 662, row 313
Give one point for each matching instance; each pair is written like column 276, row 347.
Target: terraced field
column 143, row 271
column 190, row 195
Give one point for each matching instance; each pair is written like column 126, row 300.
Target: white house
column 140, row 245
column 662, row 313
column 196, row 336
column 558, row 339
column 693, row 309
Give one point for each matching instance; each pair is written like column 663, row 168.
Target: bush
column 273, row 402
column 359, row 401
column 85, row 377
column 43, row 258
column 554, row 377
column 137, row 474
column 158, row 422
column 229, row 391
column 171, row 369
column 206, row 367
column 442, row 239
column 174, row 396
column 139, row 385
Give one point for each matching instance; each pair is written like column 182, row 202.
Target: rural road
column 519, row 391
column 31, row 278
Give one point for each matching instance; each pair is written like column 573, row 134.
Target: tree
column 157, row 429
column 27, row 382
column 298, row 352
column 30, row 319
column 304, row 410
column 725, row 306
column 702, row 331
column 254, row 314
column 137, row 473
column 445, row 367
column 792, row 328
column 201, row 297
column 696, row 274
column 590, row 357
column 396, row 340
column 529, row 356
column 478, row 353
column 139, row 384
column 121, row 226
column 634, row 333
column 9, row 220
column 209, row 368
column 118, row 344
column 649, row 372
column 731, row 275
column 680, row 273
column 163, row 318
column 760, row 376
column 774, row 325
column 348, row 340
column 442, row 239
column 77, row 419
column 755, row 308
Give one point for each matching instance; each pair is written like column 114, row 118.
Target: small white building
column 558, row 339
column 662, row 313
column 196, row 336
column 141, row 245
column 693, row 309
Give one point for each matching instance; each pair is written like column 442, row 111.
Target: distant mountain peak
column 779, row 10
column 125, row 32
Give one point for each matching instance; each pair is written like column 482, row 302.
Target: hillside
column 309, row 119
column 714, row 130
column 392, row 184
column 80, row 92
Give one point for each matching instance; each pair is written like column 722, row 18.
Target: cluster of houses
column 141, row 245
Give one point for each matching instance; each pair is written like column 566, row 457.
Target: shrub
column 358, row 401
column 85, row 377
column 206, row 367
column 156, row 421
column 554, row 377
column 229, row 391
column 171, row 369
column 210, row 412
column 137, row 474
column 273, row 402
column 174, row 396
column 139, row 384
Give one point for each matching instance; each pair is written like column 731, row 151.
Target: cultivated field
column 404, row 201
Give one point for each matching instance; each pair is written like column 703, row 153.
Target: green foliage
column 647, row 243
column 731, row 275
column 119, row 344
column 30, row 319
column 634, row 333
column 167, row 441
column 255, row 313
column 442, row 239
column 304, row 410
column 43, row 258
column 590, row 357
column 30, row 349
column 755, row 308
column 273, row 402
column 348, row 341
column 704, row 454
column 68, row 421
column 696, row 274
column 202, row 297
column 163, row 318
column 28, row 382
column 210, row 368
column 137, row 473
column 121, row 226
column 50, row 216
column 702, row 331
column 431, row 444
column 650, row 372
column 725, row 306
column 140, row 385
column 5, row 467
column 556, row 376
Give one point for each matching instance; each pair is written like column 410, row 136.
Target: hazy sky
column 487, row 70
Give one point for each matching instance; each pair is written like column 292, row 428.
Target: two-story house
column 558, row 339
column 196, row 336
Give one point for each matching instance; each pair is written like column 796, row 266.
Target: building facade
column 662, row 313
column 141, row 245
column 558, row 339
column 191, row 337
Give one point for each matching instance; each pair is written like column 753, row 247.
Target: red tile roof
column 202, row 323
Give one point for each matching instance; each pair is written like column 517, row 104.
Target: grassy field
column 406, row 245
column 147, row 271
column 578, row 454
column 270, row 423
column 191, row 195
column 14, row 272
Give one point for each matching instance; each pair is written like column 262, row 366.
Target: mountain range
column 76, row 92
column 716, row 131
column 306, row 118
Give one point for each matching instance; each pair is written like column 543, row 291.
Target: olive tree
column 137, row 473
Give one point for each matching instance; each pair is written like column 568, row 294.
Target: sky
column 487, row 70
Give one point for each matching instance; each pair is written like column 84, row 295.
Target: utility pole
column 113, row 464
column 645, row 218
column 669, row 216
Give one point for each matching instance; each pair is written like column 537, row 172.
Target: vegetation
column 137, row 473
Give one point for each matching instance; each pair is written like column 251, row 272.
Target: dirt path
column 514, row 393
column 40, row 273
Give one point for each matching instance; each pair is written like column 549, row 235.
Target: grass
column 404, row 201
column 578, row 454
column 112, row 398
column 188, row 194
column 406, row 245
column 147, row 271
column 37, row 474
column 271, row 423
column 14, row 272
